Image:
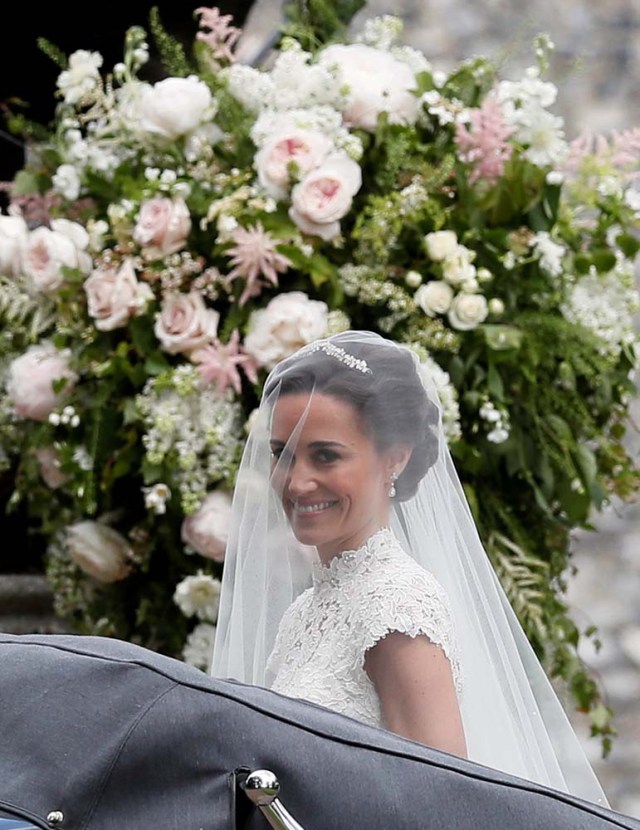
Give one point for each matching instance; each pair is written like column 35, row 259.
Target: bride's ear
column 398, row 458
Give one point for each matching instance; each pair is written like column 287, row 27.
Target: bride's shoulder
column 398, row 572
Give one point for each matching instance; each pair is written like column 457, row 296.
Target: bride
column 355, row 578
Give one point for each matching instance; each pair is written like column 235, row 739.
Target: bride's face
column 333, row 482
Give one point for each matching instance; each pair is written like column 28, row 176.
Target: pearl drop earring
column 392, row 488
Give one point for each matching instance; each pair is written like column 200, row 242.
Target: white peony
column 290, row 321
column 376, row 81
column 174, row 107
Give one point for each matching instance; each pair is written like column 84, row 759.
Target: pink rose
column 49, row 462
column 377, row 82
column 301, row 149
column 31, row 379
column 184, row 323
column 99, row 550
column 49, row 250
column 163, row 225
column 207, row 530
column 324, row 196
column 113, row 297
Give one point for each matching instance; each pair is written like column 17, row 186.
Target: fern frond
column 19, row 310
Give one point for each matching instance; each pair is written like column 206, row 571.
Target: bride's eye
column 327, row 456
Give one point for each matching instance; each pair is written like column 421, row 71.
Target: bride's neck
column 337, row 547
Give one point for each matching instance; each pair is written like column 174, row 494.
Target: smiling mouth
column 318, row 507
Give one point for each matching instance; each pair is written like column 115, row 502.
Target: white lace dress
column 355, row 601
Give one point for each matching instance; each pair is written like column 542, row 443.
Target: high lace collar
column 350, row 562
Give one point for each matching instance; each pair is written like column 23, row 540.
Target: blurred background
column 596, row 66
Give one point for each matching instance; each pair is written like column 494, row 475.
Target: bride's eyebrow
column 328, row 443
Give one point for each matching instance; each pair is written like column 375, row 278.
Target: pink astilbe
column 485, row 145
column 217, row 33
column 219, row 363
column 621, row 151
column 254, row 255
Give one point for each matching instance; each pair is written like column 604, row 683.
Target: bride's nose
column 301, row 480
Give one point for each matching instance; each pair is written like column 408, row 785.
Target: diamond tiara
column 337, row 353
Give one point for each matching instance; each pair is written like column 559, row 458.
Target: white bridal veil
column 512, row 717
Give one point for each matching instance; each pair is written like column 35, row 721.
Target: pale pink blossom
column 255, row 256
column 484, row 145
column 99, row 550
column 114, row 297
column 32, row 378
column 324, row 196
column 49, row 464
column 163, row 225
column 184, row 323
column 221, row 37
column 219, row 363
column 293, row 147
column 207, row 530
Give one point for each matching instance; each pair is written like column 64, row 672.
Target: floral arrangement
column 168, row 242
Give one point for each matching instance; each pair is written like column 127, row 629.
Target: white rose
column 459, row 269
column 303, row 149
column 198, row 595
column 49, row 250
column 468, row 311
column 441, row 245
column 376, row 81
column 163, row 225
column 288, row 322
column 99, row 550
column 174, row 107
column 434, row 297
column 207, row 530
column 114, row 297
column 31, row 379
column 184, row 323
column 324, row 196
column 14, row 234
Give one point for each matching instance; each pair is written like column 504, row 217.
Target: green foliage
column 314, row 23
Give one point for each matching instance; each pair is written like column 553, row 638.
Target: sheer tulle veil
column 512, row 717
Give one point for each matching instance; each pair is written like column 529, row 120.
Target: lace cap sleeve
column 410, row 600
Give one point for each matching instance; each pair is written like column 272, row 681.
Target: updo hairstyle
column 390, row 399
